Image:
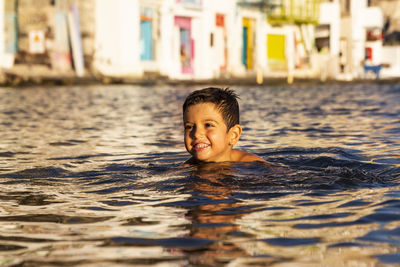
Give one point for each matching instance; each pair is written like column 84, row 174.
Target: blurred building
column 391, row 36
column 193, row 39
column 47, row 34
column 360, row 38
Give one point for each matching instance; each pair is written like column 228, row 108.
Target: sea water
column 92, row 176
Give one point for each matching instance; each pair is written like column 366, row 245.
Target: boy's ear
column 234, row 134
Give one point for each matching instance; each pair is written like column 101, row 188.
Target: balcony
column 286, row 11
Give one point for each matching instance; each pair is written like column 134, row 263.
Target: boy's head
column 211, row 127
column 225, row 101
column 211, row 122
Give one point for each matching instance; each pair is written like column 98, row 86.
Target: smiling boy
column 211, row 123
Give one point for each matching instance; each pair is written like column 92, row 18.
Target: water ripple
column 93, row 176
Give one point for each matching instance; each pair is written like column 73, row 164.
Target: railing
column 287, row 11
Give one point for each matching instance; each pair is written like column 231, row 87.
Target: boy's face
column 206, row 136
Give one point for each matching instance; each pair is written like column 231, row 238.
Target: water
column 92, row 176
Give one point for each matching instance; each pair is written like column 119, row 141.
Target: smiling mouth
column 200, row 146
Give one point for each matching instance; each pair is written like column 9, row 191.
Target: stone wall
column 40, row 15
column 33, row 15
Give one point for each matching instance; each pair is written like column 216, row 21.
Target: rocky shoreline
column 39, row 76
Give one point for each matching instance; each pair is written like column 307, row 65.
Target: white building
column 189, row 37
column 219, row 38
column 180, row 39
column 290, row 38
column 205, row 39
column 117, row 38
column 327, row 39
column 198, row 39
column 390, row 51
column 360, row 42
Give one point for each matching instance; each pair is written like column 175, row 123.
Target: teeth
column 201, row 145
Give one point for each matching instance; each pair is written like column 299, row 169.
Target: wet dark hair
column 224, row 99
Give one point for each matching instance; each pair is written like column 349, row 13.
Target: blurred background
column 199, row 39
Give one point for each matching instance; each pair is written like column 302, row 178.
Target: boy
column 211, row 122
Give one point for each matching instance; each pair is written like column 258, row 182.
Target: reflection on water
column 92, row 176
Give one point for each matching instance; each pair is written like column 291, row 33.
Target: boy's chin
column 199, row 156
column 205, row 157
column 205, row 160
column 201, row 159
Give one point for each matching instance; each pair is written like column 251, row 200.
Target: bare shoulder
column 239, row 155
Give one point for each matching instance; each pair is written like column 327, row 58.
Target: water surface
column 92, row 176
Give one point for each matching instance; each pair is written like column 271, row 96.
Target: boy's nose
column 197, row 132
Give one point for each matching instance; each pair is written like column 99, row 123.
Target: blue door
column 244, row 49
column 186, row 51
column 146, row 40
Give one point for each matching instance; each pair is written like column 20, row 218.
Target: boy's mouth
column 200, row 146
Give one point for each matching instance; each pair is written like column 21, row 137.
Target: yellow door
column 248, row 43
column 276, row 51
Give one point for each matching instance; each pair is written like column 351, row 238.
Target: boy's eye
column 188, row 127
column 209, row 125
